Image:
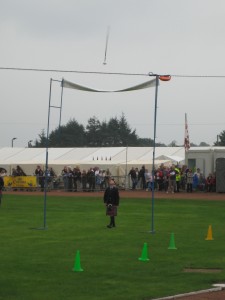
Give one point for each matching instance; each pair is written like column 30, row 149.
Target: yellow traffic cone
column 209, row 234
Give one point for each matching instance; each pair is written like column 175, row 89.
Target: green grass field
column 38, row 264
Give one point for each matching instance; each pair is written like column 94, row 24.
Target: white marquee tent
column 118, row 159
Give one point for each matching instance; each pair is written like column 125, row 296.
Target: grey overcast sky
column 176, row 37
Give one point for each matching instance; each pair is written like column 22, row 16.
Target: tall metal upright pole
column 46, row 162
column 153, row 158
column 60, row 115
column 126, row 175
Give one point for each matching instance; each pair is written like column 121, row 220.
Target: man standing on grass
column 111, row 200
column 1, row 187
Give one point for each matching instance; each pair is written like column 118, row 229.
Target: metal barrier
column 68, row 184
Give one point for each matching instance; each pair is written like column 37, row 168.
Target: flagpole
column 186, row 139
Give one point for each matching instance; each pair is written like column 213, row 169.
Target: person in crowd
column 107, row 177
column 148, row 180
column 195, row 181
column 1, row 187
column 102, row 180
column 189, row 180
column 111, row 199
column 70, row 179
column 64, row 174
column 3, row 171
column 14, row 172
column 97, row 179
column 183, row 178
column 20, row 171
column 52, row 173
column 159, row 178
column 40, row 177
column 198, row 172
column 142, row 177
column 137, row 178
column 84, row 180
column 76, row 178
column 178, row 179
column 201, row 183
column 91, row 179
column 211, row 183
column 133, row 177
column 51, row 178
column 165, row 179
column 172, row 179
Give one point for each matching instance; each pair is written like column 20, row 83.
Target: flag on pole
column 186, row 135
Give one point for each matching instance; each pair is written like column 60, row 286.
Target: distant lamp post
column 217, row 140
column 13, row 139
column 29, row 143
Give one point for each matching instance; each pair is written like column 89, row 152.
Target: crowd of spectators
column 172, row 179
column 18, row 171
column 168, row 179
column 88, row 181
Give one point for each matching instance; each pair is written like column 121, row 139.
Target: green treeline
column 114, row 133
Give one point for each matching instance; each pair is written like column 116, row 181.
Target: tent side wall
column 118, row 159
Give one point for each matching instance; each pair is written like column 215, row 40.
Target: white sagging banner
column 145, row 85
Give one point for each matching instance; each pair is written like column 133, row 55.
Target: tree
column 193, row 145
column 113, row 138
column 105, row 140
column 70, row 135
column 93, row 132
column 173, row 144
column 42, row 142
column 114, row 133
column 220, row 139
column 203, row 144
column 144, row 142
column 127, row 136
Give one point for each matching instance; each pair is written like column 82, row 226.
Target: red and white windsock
column 186, row 135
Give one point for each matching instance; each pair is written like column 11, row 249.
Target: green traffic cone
column 144, row 254
column 172, row 242
column 77, row 266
